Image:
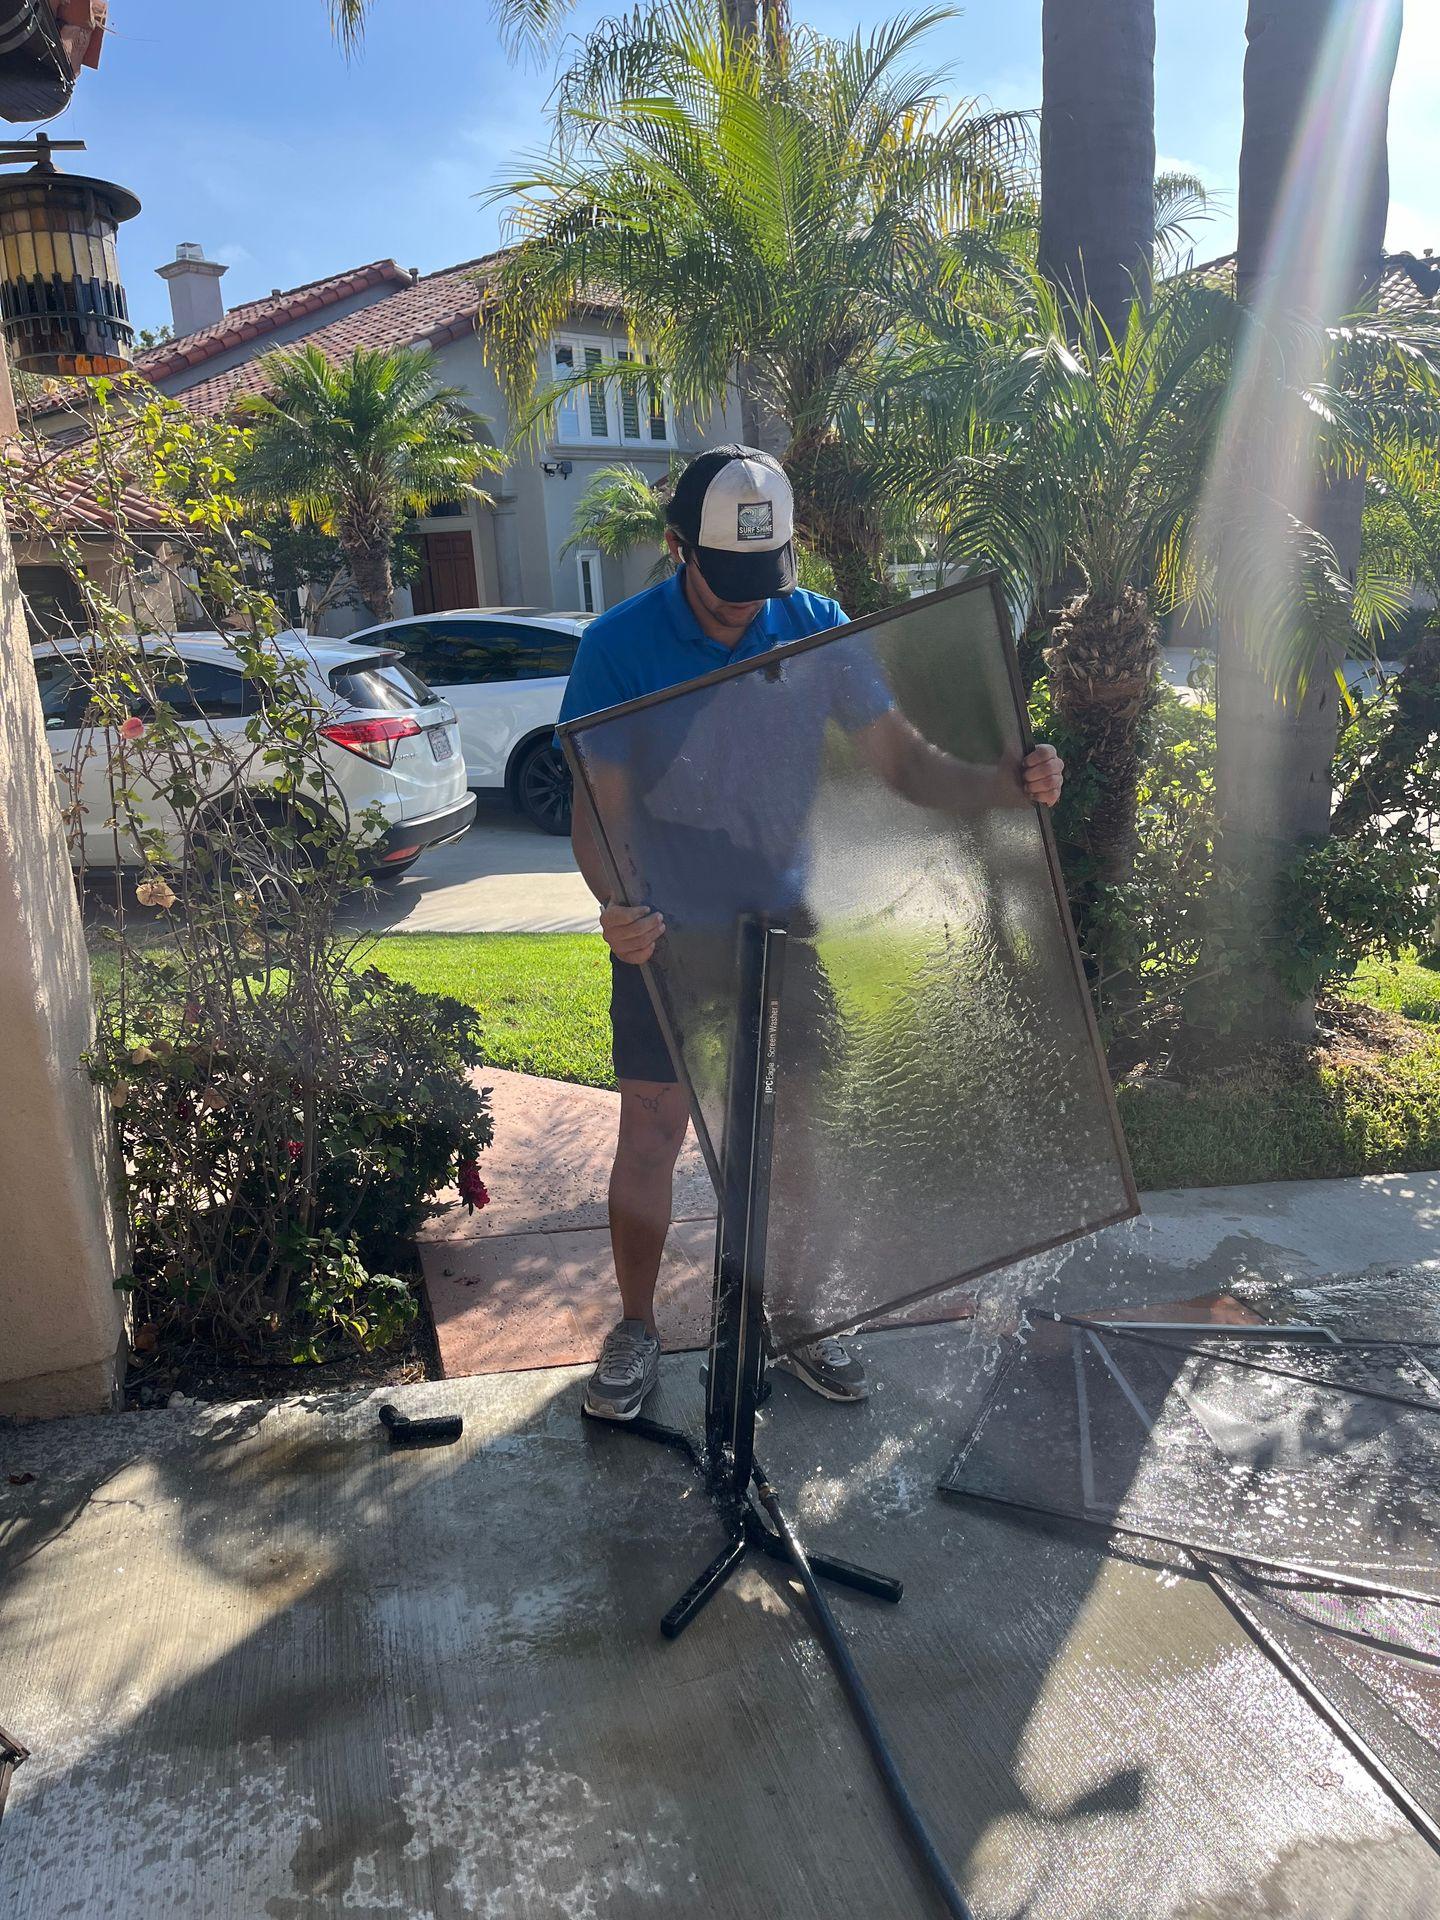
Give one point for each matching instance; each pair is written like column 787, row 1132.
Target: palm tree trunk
column 1097, row 243
column 837, row 522
column 1097, row 150
column 1275, row 753
column 1104, row 675
column 741, row 17
column 747, row 19
column 365, row 543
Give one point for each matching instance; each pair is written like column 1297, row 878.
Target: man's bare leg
column 653, row 1119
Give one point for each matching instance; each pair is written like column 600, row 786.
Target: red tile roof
column 1409, row 282
column 426, row 312
column 256, row 317
column 67, row 497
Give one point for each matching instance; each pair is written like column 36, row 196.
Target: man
column 734, row 596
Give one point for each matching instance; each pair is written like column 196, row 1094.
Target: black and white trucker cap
column 734, row 507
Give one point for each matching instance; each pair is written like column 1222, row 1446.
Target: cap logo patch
column 755, row 521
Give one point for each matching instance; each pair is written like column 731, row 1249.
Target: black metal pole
column 737, row 1337
column 737, row 1368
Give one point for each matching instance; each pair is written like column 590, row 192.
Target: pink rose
column 133, row 728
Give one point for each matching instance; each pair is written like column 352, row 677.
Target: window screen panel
column 942, row 1105
column 1286, row 1467
column 1336, row 1492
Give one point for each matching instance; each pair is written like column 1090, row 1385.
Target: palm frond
column 1182, row 203
column 621, row 511
column 526, row 26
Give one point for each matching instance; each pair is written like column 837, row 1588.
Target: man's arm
column 631, row 933
column 929, row 777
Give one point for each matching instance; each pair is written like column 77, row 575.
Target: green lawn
column 1377, row 1114
column 1409, row 986
column 544, row 997
column 1363, row 1108
column 544, row 1000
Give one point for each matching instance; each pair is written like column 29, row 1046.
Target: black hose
column 910, row 1816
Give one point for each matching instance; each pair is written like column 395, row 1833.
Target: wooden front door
column 447, row 578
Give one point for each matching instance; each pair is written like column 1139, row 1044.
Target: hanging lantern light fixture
column 62, row 306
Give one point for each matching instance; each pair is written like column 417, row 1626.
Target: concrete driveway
column 271, row 1670
column 503, row 876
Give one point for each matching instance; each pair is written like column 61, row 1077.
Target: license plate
column 441, row 745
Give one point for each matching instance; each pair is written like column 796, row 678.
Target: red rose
column 473, row 1190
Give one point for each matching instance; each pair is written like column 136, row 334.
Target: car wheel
column 249, row 857
column 542, row 788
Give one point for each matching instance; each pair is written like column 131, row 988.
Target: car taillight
column 372, row 739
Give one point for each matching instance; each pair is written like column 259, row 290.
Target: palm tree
column 621, row 512
column 1054, row 449
column 1401, row 553
column 1097, row 151
column 527, row 25
column 1317, row 81
column 352, row 446
column 766, row 209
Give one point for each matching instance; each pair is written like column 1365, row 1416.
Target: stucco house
column 508, row 554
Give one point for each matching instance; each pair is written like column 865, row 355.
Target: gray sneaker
column 628, row 1367
column 827, row 1368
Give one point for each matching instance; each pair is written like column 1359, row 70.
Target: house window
column 592, row 585
column 630, row 405
column 626, row 409
column 597, row 398
column 659, row 423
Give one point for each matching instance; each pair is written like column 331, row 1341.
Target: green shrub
column 273, row 1160
column 283, row 1115
column 1344, row 901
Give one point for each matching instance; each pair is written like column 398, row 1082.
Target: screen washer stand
column 755, row 1520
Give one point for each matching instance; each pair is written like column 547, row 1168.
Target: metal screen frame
column 1252, row 1587
column 985, row 583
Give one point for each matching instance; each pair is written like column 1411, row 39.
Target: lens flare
column 1266, row 484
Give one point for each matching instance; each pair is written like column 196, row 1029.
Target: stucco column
column 61, row 1321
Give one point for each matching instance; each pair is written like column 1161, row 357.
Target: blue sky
column 243, row 128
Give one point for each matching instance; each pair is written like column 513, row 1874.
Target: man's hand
column 1043, row 774
column 631, row 933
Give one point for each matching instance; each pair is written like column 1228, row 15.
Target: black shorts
column 637, row 1045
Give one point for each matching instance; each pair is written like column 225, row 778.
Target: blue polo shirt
column 732, row 777
column 654, row 641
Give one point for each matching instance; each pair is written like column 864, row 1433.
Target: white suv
column 504, row 669
column 388, row 740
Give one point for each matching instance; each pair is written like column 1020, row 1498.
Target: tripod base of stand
column 749, row 1533
column 752, row 1535
column 772, row 1535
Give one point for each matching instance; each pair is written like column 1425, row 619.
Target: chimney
column 194, row 283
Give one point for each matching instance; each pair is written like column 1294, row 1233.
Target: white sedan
column 503, row 669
